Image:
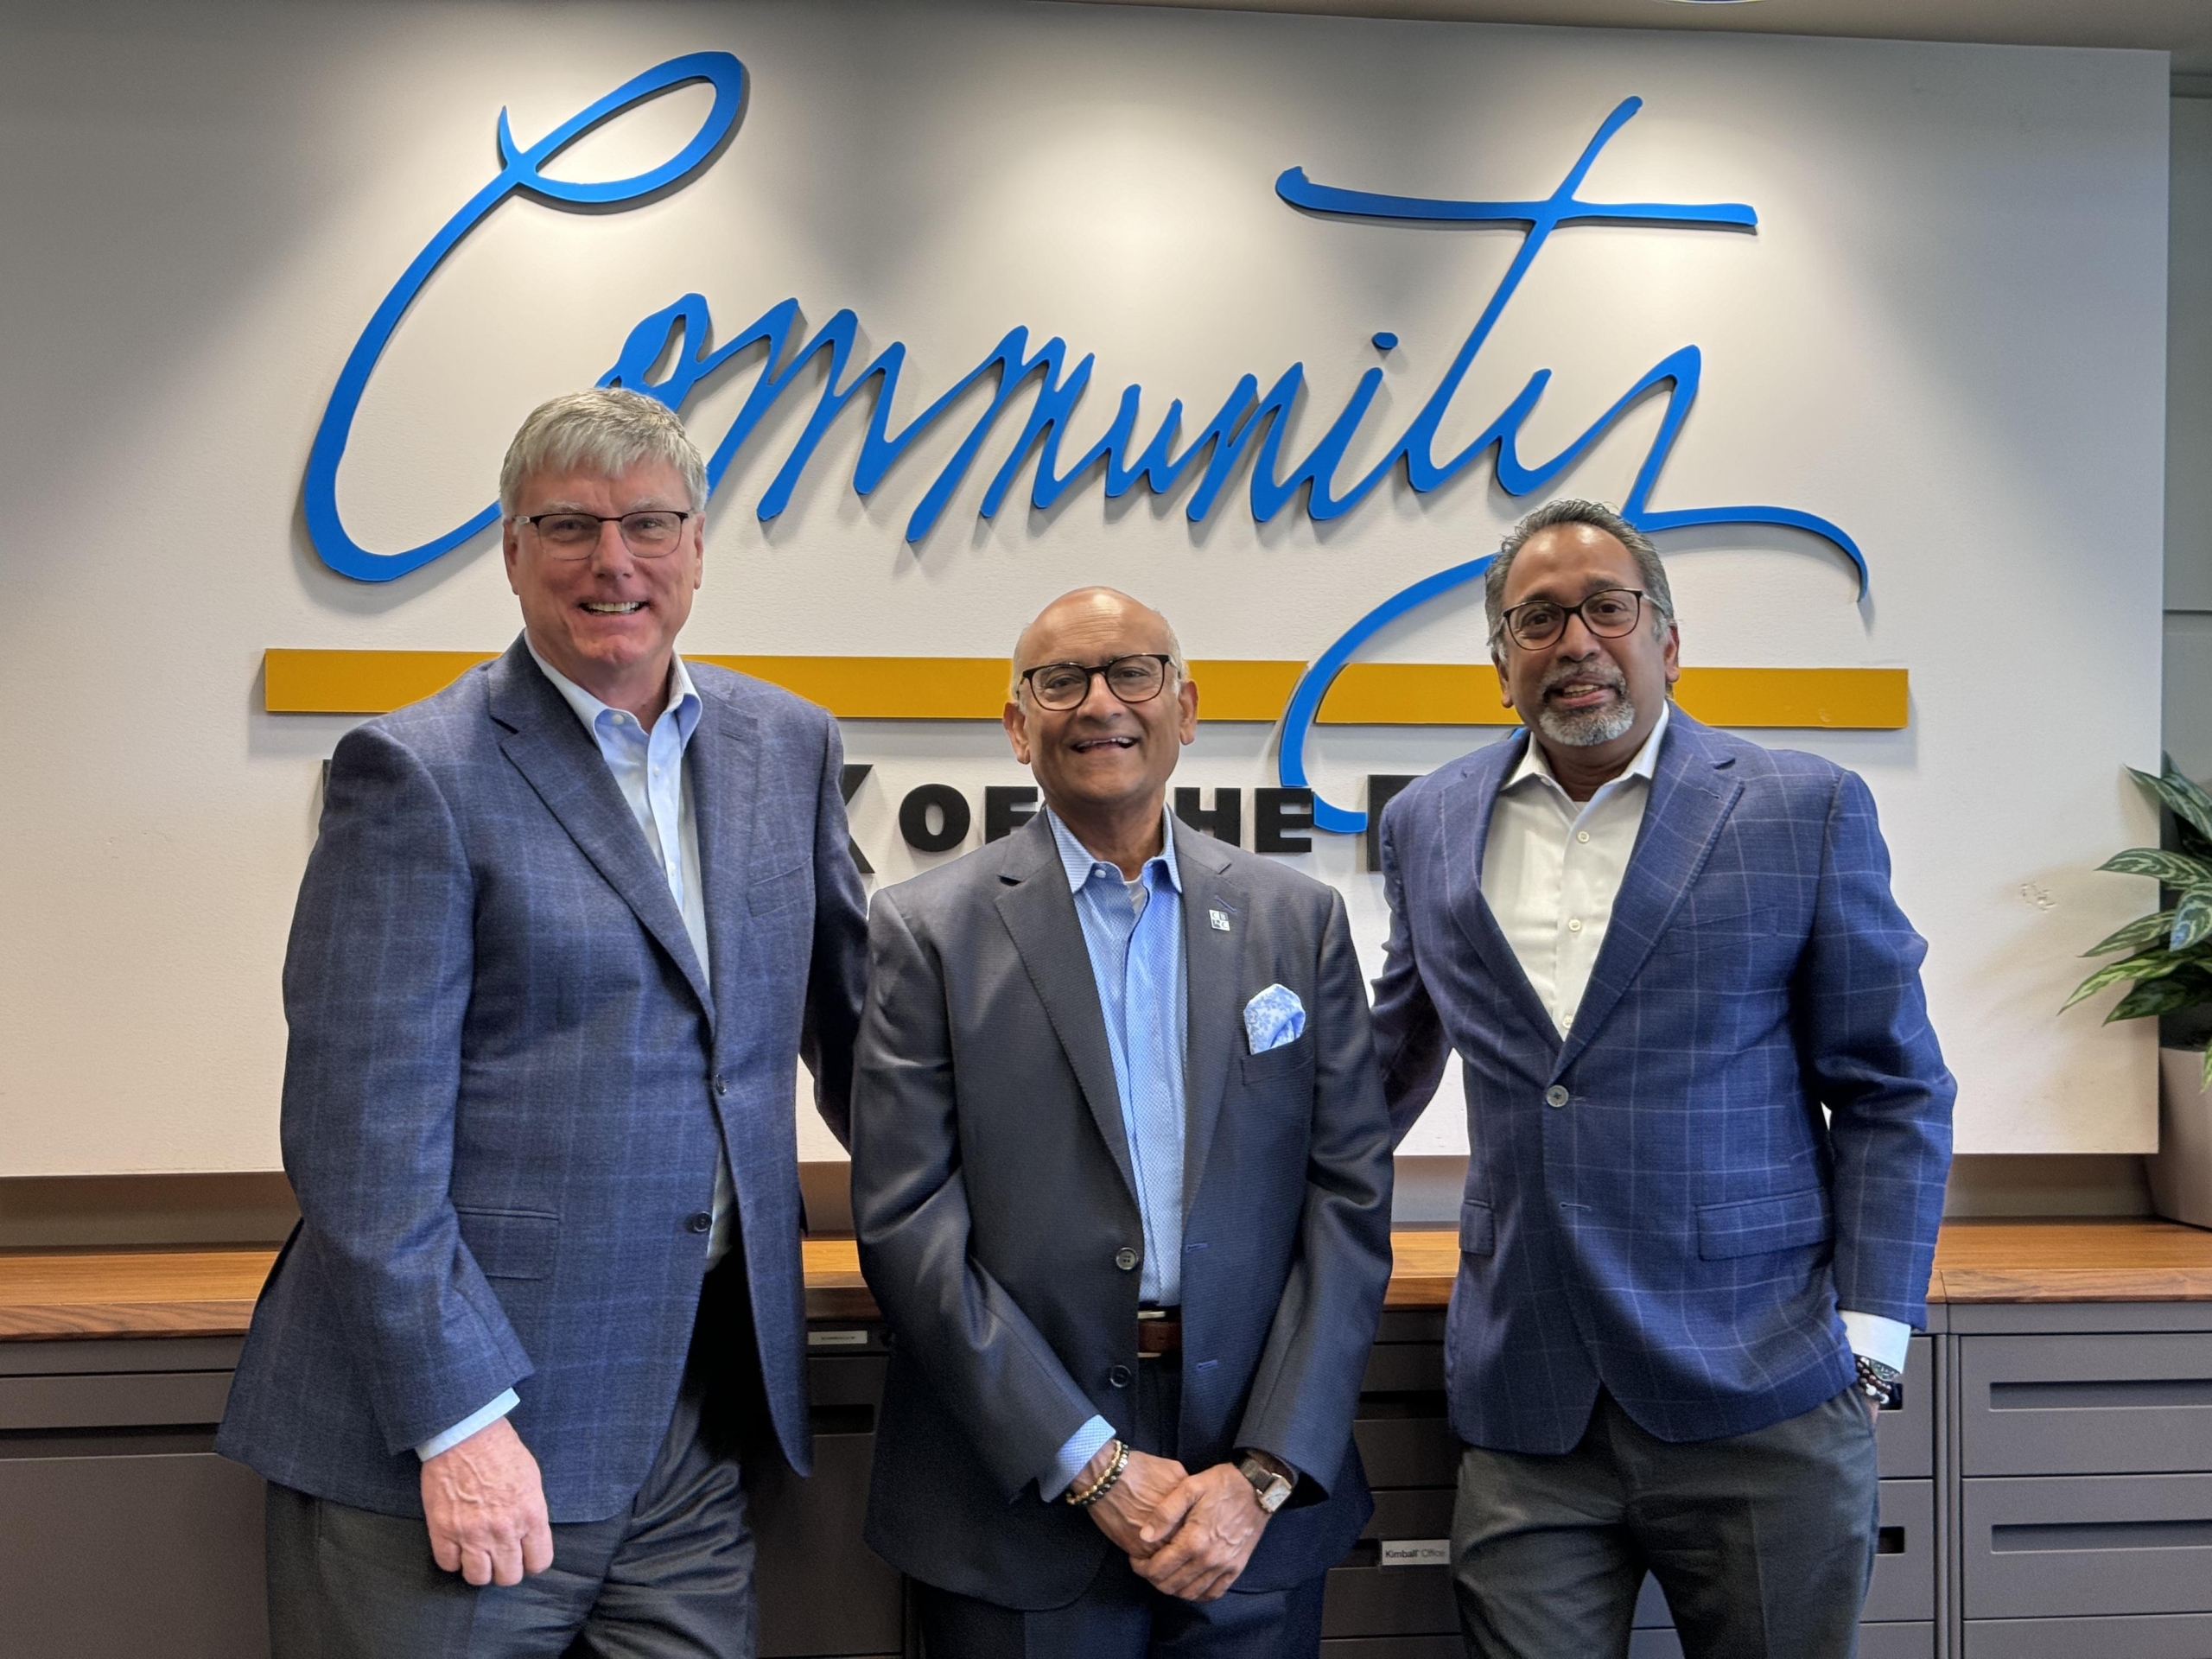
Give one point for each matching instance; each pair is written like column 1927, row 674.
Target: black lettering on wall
column 1381, row 787
column 1226, row 820
column 1276, row 813
column 953, row 819
column 1007, row 807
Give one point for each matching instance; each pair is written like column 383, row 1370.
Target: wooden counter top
column 209, row 1292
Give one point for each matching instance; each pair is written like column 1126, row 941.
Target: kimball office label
column 1138, row 450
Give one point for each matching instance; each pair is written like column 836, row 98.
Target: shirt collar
column 1079, row 862
column 683, row 695
column 1645, row 765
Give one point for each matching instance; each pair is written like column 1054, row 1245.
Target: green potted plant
column 2167, row 968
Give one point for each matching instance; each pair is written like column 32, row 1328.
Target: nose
column 1097, row 701
column 610, row 554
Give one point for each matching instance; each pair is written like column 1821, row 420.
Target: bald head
column 1088, row 614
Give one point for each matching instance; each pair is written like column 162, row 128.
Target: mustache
column 1596, row 672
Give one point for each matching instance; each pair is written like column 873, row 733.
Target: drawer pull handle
column 2133, row 1393
column 1889, row 1541
column 2101, row 1535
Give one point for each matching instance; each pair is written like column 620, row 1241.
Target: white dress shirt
column 1551, row 869
column 648, row 768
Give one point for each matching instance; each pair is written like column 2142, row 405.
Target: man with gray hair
column 1708, row 1126
column 568, row 927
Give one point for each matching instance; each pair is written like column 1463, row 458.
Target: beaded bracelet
column 1104, row 1484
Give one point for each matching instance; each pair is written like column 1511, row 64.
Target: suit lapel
column 723, row 763
column 548, row 746
column 1211, row 956
column 1691, row 794
column 1465, row 812
column 1039, row 913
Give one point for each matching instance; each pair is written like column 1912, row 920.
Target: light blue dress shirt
column 1133, row 932
column 648, row 768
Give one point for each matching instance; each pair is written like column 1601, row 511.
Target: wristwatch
column 1876, row 1381
column 1271, row 1489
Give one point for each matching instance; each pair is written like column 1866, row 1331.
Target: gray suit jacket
column 507, row 1080
column 992, row 1191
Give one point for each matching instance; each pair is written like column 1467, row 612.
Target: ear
column 1015, row 719
column 1670, row 653
column 697, row 526
column 510, row 550
column 1504, row 685
column 1187, row 723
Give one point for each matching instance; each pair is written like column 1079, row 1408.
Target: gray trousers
column 1120, row 1616
column 1762, row 1542
column 669, row 1578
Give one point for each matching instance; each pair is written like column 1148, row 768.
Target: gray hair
column 605, row 431
column 1178, row 670
column 1568, row 511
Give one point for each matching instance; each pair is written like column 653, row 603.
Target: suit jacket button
column 1125, row 1258
column 1556, row 1096
column 721, row 1085
column 1119, row 1376
column 701, row 1223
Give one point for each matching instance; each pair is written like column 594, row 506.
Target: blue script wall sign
column 1250, row 422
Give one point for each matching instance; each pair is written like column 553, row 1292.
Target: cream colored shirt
column 1551, row 871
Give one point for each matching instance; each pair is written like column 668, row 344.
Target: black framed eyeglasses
column 1610, row 613
column 649, row 533
column 1062, row 686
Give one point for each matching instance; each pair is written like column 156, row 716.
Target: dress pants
column 669, row 1578
column 1120, row 1616
column 1762, row 1542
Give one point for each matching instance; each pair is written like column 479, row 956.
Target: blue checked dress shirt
column 648, row 768
column 1133, row 931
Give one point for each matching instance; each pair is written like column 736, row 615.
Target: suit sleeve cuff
column 467, row 1426
column 1883, row 1341
column 1082, row 1445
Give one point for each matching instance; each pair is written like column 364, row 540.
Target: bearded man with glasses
column 1121, row 1178
column 569, row 927
column 1709, row 1128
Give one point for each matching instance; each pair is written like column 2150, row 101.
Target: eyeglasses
column 1062, row 686
column 649, row 533
column 1609, row 612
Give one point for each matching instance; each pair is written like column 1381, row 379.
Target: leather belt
column 1159, row 1331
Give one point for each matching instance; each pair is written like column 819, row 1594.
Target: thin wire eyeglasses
column 1610, row 613
column 1062, row 686
column 650, row 532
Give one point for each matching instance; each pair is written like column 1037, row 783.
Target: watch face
column 1273, row 1498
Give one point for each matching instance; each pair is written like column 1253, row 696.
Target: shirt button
column 1582, row 834
column 1556, row 1096
column 1574, row 923
column 701, row 1223
column 1125, row 1258
column 1119, row 1376
column 721, row 1085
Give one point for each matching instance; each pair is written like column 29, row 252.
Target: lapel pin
column 1219, row 920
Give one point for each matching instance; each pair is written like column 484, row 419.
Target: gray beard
column 1586, row 729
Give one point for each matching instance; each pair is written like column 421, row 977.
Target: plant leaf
column 2207, row 1082
column 2155, row 996
column 2192, row 919
column 2150, row 965
column 2172, row 869
column 2145, row 930
column 2183, row 797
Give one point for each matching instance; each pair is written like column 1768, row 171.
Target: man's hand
column 485, row 1508
column 1216, row 1520
column 1132, row 1503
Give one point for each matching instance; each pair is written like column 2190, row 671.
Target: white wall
column 1948, row 335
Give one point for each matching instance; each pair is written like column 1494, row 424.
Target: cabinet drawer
column 1875, row 1642
column 1393, row 1647
column 1366, row 1600
column 113, row 1400
column 1404, row 1368
column 1904, row 1561
column 1904, row 1439
column 2090, row 1405
column 1407, row 1451
column 2185, row 1636
column 2080, row 1545
column 1412, row 1512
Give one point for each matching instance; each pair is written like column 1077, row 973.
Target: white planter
column 2181, row 1169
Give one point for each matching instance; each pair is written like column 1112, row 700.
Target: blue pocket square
column 1273, row 1018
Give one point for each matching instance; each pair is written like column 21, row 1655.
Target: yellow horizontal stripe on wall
column 973, row 688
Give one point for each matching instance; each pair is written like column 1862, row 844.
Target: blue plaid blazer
column 1679, row 1229
column 507, row 1079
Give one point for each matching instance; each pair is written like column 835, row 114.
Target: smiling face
column 1596, row 698
column 608, row 620
column 1104, row 758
